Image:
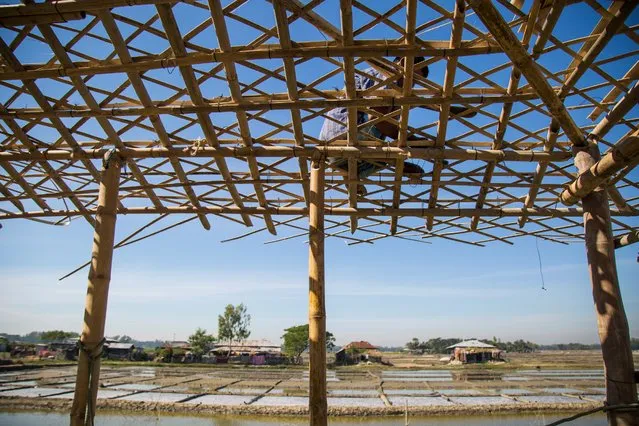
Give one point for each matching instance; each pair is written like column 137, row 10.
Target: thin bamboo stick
column 617, row 113
column 141, row 91
column 495, row 23
column 459, row 15
column 291, row 86
column 346, row 19
column 88, row 375
column 361, row 48
column 258, row 105
column 632, row 74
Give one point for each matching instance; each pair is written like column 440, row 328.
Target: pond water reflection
column 131, row 419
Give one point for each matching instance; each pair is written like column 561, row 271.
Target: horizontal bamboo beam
column 338, row 211
column 258, row 105
column 54, row 18
column 626, row 239
column 360, row 48
column 69, row 6
column 364, row 153
column 619, row 157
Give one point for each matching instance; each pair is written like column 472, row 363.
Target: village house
column 255, row 352
column 356, row 352
column 119, row 351
column 474, row 351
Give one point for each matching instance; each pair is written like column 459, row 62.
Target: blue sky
column 386, row 293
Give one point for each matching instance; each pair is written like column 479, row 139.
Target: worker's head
column 419, row 70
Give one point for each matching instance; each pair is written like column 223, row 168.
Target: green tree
column 296, row 341
column 57, row 335
column 200, row 342
column 234, row 324
column 125, row 339
column 413, row 345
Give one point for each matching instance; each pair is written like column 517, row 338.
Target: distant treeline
column 634, row 345
column 60, row 335
column 438, row 345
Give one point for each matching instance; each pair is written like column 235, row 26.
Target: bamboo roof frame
column 244, row 154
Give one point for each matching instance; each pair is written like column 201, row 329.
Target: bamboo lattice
column 216, row 109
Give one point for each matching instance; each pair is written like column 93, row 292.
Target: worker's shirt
column 337, row 127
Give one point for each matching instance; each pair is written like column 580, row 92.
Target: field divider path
column 192, row 397
column 263, row 394
column 226, row 385
column 152, row 390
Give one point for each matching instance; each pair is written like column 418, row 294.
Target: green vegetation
column 296, row 341
column 234, row 324
column 438, row 345
column 200, row 342
column 57, row 335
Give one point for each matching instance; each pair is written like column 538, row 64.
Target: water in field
column 122, row 419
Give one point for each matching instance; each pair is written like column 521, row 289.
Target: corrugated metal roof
column 471, row 344
column 120, row 345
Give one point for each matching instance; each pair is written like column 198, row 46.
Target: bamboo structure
column 623, row 154
column 612, row 323
column 215, row 108
column 627, row 239
column 316, row 304
column 91, row 340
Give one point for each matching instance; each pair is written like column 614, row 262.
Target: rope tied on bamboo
column 163, row 64
column 92, row 354
column 195, row 146
column 55, row 6
column 111, row 156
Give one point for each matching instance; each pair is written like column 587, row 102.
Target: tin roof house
column 474, row 351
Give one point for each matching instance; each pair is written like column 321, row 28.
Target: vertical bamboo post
column 316, row 307
column 612, row 323
column 88, row 375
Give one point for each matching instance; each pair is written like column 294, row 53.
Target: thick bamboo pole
column 621, row 155
column 611, row 317
column 88, row 375
column 316, row 308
